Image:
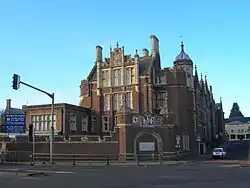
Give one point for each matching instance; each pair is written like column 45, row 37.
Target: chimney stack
column 145, row 52
column 154, row 44
column 98, row 54
column 8, row 104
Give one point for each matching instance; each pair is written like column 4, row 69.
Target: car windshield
column 217, row 150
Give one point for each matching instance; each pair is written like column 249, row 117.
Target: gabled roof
column 145, row 64
column 92, row 72
column 14, row 111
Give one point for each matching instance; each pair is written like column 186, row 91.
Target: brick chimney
column 8, row 105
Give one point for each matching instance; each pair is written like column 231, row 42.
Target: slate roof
column 217, row 106
column 182, row 55
column 237, row 121
column 12, row 111
column 145, row 65
column 15, row 111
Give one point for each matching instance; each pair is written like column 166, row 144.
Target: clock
column 117, row 59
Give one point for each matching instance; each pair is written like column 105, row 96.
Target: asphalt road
column 193, row 175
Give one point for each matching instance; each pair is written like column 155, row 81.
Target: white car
column 219, row 153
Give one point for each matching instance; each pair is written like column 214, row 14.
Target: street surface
column 186, row 175
column 205, row 174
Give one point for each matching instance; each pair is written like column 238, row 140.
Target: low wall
column 69, row 148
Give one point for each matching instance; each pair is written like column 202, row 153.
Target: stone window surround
column 84, row 123
column 42, row 122
column 105, row 123
column 107, row 102
column 72, row 121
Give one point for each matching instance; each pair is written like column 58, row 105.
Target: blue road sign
column 15, row 123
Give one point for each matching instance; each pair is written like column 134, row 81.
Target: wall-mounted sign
column 151, row 121
column 147, row 146
column 198, row 139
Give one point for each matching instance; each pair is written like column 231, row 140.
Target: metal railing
column 19, row 157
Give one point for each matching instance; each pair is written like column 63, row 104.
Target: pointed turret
column 211, row 92
column 196, row 78
column 183, row 57
column 202, row 85
column 206, row 87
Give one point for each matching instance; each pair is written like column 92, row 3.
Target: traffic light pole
column 52, row 118
column 33, row 146
column 52, row 130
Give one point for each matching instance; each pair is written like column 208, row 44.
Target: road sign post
column 178, row 138
column 16, row 83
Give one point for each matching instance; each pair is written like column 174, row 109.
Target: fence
column 26, row 157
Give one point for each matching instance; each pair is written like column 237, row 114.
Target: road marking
column 230, row 165
column 11, row 169
column 37, row 171
column 48, row 171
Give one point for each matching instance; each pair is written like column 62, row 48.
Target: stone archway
column 148, row 137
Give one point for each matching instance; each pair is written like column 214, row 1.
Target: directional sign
column 15, row 123
column 178, row 137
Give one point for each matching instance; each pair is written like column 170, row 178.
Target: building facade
column 238, row 128
column 69, row 120
column 138, row 102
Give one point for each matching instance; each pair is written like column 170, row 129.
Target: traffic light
column 16, row 81
column 31, row 132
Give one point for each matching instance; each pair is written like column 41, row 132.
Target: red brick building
column 132, row 105
column 144, row 105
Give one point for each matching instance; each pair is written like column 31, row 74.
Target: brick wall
column 67, row 148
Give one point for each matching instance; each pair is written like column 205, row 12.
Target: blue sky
column 51, row 44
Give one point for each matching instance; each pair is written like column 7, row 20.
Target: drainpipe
column 147, row 102
column 62, row 123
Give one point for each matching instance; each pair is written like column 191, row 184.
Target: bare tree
column 1, row 113
column 1, row 119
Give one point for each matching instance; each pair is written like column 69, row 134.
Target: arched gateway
column 147, row 146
